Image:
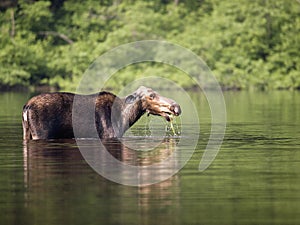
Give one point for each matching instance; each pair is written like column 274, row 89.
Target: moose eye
column 152, row 96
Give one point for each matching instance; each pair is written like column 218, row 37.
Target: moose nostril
column 176, row 109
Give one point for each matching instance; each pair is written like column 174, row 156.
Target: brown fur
column 49, row 116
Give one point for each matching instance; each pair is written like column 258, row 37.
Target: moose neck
column 130, row 114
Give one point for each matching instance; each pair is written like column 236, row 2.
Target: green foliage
column 247, row 44
column 250, row 43
column 35, row 17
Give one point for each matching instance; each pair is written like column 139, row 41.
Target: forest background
column 248, row 44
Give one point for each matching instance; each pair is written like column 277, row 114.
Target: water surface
column 254, row 179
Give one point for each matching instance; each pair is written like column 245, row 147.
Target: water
column 254, row 179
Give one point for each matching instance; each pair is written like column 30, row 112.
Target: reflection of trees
column 161, row 197
column 58, row 179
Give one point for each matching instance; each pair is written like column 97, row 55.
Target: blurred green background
column 247, row 44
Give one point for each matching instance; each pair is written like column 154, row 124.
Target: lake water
column 255, row 178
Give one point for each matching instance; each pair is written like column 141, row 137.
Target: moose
column 49, row 115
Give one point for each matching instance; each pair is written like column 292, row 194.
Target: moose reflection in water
column 42, row 157
column 54, row 115
column 55, row 171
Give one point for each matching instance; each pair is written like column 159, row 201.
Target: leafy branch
column 57, row 34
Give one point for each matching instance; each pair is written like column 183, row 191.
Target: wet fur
column 49, row 116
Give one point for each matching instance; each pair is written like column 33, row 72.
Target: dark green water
column 255, row 178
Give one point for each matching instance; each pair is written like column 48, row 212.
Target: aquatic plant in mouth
column 172, row 128
column 153, row 127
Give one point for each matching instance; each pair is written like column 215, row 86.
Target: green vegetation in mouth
column 171, row 127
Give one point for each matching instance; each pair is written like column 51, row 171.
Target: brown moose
column 49, row 115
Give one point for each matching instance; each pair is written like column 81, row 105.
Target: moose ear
column 130, row 99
